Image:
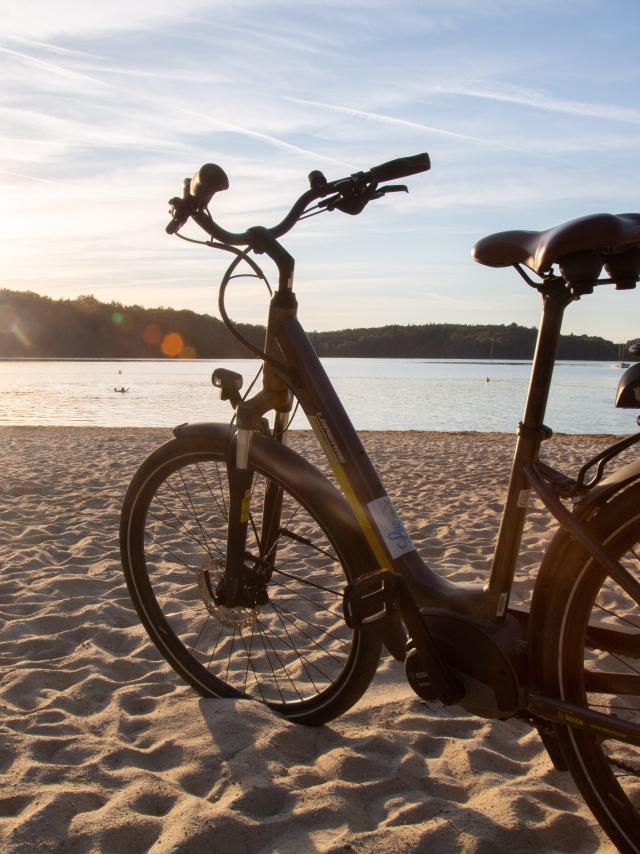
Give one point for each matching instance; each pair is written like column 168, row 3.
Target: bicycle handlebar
column 210, row 179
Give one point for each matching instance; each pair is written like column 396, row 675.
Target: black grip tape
column 401, row 167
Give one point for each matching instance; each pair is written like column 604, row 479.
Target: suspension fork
column 240, row 482
column 272, row 508
column 240, row 479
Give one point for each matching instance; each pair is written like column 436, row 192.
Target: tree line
column 33, row 326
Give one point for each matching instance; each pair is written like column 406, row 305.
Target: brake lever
column 341, row 201
column 390, row 188
column 181, row 208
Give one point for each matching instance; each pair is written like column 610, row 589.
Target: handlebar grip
column 173, row 226
column 209, row 179
column 401, row 167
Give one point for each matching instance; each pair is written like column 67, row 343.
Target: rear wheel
column 293, row 651
column 586, row 648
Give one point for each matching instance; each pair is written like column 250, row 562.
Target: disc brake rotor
column 240, row 617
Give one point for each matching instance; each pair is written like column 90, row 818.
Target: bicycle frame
column 391, row 546
column 403, row 577
column 361, row 484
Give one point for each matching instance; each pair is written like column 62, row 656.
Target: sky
column 528, row 108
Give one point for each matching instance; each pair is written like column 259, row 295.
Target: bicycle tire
column 295, row 653
column 573, row 601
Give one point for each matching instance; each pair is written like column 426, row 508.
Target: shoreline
column 305, row 431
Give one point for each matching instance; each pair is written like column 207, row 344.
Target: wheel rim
column 604, row 648
column 293, row 650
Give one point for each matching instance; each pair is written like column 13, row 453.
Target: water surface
column 379, row 394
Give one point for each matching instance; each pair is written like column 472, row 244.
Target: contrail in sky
column 272, row 140
column 364, row 114
column 51, row 66
column 539, row 100
column 31, row 178
column 54, row 48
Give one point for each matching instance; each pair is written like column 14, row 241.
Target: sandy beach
column 105, row 749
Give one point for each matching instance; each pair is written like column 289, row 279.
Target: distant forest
column 34, row 326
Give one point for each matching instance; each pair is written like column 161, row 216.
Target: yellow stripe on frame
column 245, row 506
column 363, row 520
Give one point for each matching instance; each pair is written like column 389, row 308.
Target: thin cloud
column 365, row 114
column 51, row 66
column 30, row 178
column 184, row 77
column 542, row 101
column 40, row 136
column 73, row 18
column 54, row 48
column 272, row 140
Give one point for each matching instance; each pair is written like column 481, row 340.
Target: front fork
column 247, row 571
column 232, row 589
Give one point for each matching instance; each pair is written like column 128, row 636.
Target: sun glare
column 172, row 344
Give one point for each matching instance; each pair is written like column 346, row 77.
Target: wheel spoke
column 249, row 661
column 305, row 541
column 296, row 650
column 169, row 552
column 293, row 620
column 313, row 602
column 193, row 509
column 223, row 509
column 303, row 658
column 263, row 635
column 183, row 528
column 313, row 625
column 307, row 583
column 206, row 619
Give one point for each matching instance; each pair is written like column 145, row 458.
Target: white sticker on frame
column 388, row 523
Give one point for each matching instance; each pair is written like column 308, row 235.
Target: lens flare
column 117, row 318
column 172, row 344
column 22, row 338
column 152, row 334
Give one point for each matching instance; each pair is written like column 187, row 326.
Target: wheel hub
column 209, row 576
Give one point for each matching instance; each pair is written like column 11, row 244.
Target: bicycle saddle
column 587, row 242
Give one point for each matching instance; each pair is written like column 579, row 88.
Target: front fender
column 312, row 488
column 306, row 483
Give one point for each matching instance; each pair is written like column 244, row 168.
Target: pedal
column 369, row 598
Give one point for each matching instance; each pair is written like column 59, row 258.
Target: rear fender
column 604, row 491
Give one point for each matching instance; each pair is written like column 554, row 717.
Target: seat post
column 531, row 433
column 554, row 303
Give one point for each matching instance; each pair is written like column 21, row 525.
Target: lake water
column 379, row 394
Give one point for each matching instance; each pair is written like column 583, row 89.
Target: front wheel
column 293, row 651
column 585, row 641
